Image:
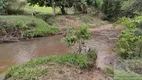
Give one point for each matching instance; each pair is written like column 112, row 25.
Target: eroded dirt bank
column 61, row 72
column 104, row 40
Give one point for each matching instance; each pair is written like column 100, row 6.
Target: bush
column 130, row 40
column 75, row 38
column 111, row 8
column 138, row 21
column 92, row 55
column 130, row 6
column 131, row 22
column 130, row 44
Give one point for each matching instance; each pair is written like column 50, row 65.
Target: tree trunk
column 63, row 9
column 53, row 7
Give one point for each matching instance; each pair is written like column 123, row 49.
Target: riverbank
column 14, row 28
column 41, row 67
column 24, row 51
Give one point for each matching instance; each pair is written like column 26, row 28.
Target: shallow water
column 23, row 51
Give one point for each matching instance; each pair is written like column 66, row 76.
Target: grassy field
column 36, row 8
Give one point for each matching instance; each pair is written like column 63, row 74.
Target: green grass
column 36, row 8
column 28, row 25
column 31, row 70
column 109, row 70
column 123, row 75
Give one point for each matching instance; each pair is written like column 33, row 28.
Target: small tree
column 75, row 38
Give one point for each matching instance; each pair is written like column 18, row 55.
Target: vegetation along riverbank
column 103, row 38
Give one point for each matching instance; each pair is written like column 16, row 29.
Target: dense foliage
column 130, row 6
column 130, row 40
column 111, row 8
column 130, row 44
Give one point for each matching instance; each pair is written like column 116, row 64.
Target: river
column 23, row 51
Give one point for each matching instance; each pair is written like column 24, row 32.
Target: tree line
column 110, row 8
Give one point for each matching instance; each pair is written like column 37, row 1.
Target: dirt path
column 104, row 40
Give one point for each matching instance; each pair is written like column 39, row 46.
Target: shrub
column 130, row 44
column 75, row 38
column 127, row 22
column 131, row 22
column 99, row 3
column 111, row 8
column 138, row 21
column 92, row 55
column 130, row 6
column 130, row 40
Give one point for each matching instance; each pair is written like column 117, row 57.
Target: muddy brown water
column 23, row 51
